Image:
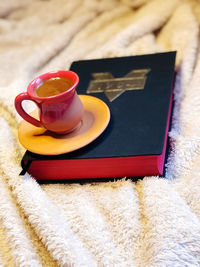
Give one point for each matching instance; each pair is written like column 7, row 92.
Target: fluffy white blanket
column 154, row 222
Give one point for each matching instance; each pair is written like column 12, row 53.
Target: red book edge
column 151, row 165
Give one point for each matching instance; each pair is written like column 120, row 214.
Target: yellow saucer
column 38, row 140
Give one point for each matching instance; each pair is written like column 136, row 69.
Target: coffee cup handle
column 18, row 105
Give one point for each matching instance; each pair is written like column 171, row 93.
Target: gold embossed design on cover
column 114, row 87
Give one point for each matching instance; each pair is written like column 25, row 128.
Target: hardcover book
column 138, row 91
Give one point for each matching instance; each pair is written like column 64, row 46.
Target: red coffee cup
column 59, row 113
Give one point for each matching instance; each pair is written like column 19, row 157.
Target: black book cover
column 137, row 90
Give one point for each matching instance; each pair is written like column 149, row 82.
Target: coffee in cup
column 54, row 93
column 53, row 86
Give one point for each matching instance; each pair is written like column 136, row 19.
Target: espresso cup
column 60, row 111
